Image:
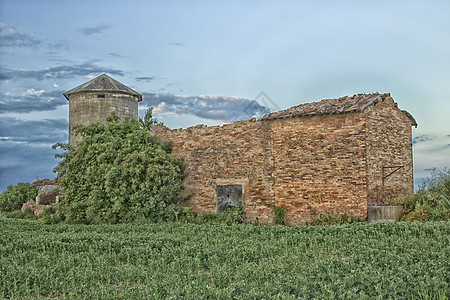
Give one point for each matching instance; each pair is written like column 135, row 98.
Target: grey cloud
column 221, row 108
column 145, row 78
column 16, row 37
column 113, row 54
column 25, row 149
column 58, row 72
column 176, row 44
column 48, row 131
column 24, row 162
column 26, row 103
column 96, row 29
column 421, row 139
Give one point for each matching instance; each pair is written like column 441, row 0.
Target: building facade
column 336, row 155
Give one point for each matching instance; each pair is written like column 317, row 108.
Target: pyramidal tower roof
column 103, row 83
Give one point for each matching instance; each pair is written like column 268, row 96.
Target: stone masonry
column 336, row 155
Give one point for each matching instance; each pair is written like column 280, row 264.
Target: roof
column 103, row 83
column 329, row 106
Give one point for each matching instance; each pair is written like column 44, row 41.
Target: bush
column 26, row 214
column 14, row 196
column 279, row 212
column 432, row 200
column 118, row 173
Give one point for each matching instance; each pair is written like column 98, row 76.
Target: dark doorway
column 228, row 196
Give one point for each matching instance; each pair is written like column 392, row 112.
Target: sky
column 215, row 62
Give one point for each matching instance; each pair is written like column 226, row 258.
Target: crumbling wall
column 320, row 166
column 389, row 151
column 232, row 154
column 311, row 164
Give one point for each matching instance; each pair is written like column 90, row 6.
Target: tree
column 14, row 196
column 117, row 173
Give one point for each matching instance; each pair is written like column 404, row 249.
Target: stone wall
column 389, row 149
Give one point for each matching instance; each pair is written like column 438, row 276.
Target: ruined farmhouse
column 335, row 155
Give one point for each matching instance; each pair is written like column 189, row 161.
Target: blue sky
column 206, row 61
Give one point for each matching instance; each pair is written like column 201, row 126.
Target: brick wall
column 238, row 153
column 389, row 145
column 320, row 166
column 311, row 165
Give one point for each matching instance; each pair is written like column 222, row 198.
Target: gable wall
column 389, row 144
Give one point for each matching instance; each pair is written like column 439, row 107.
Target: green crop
column 189, row 261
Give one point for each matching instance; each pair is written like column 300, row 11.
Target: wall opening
column 100, row 95
column 228, row 196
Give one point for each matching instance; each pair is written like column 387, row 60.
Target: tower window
column 101, row 96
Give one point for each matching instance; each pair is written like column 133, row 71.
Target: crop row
column 400, row 260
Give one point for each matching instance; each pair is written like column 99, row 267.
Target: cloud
column 31, row 101
column 34, row 92
column 96, row 29
column 218, row 108
column 422, row 138
column 113, row 54
column 431, row 152
column 145, row 78
column 25, row 148
column 24, row 162
column 63, row 71
column 176, row 44
column 47, row 131
column 16, row 37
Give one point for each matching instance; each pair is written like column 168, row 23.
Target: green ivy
column 118, row 173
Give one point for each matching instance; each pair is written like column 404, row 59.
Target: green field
column 174, row 260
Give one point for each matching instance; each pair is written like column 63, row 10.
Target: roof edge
column 90, row 86
column 139, row 96
column 410, row 116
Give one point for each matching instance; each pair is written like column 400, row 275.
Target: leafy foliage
column 187, row 261
column 279, row 212
column 432, row 200
column 14, row 196
column 148, row 121
column 118, row 172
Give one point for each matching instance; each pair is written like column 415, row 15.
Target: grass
column 176, row 260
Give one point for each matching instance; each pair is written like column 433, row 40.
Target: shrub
column 14, row 196
column 118, row 173
column 432, row 201
column 26, row 214
column 279, row 213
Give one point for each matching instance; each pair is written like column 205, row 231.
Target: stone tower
column 95, row 100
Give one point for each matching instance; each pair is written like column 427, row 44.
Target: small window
column 228, row 196
column 101, row 96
